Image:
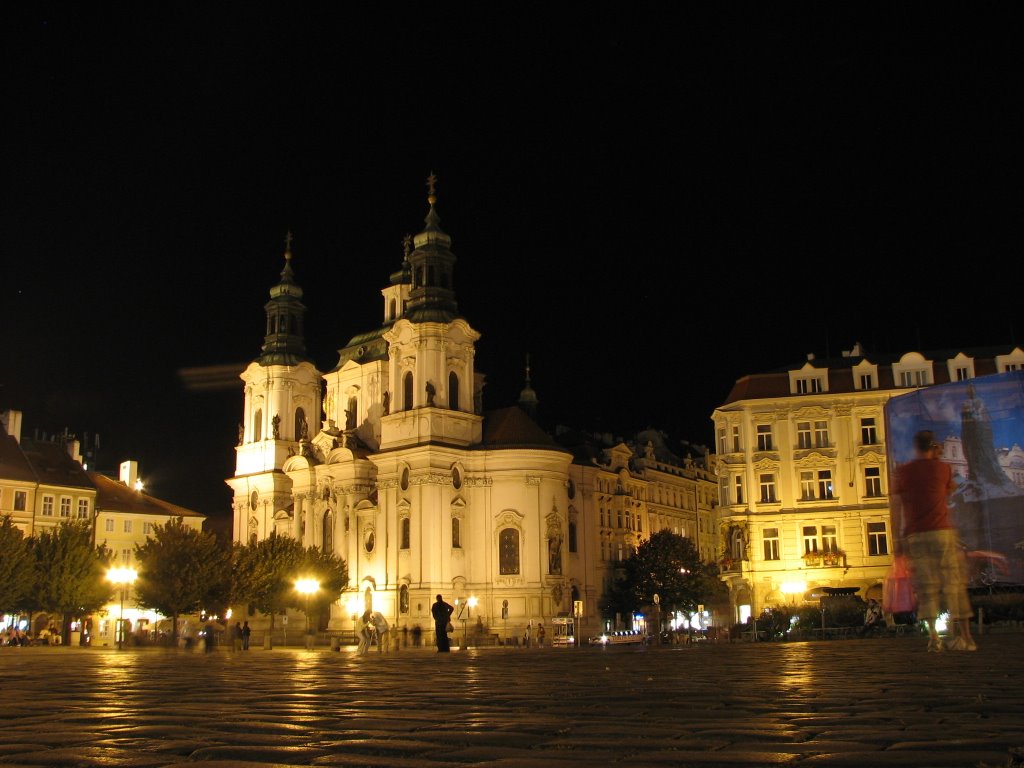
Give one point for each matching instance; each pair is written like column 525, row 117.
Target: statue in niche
column 387, row 402
column 276, row 422
column 305, row 430
column 556, row 594
column 241, row 434
column 430, row 395
column 350, row 419
column 555, row 554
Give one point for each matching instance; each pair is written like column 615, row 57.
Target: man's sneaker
column 935, row 645
column 960, row 644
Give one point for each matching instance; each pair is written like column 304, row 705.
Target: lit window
column 825, row 484
column 83, row 509
column 868, row 431
column 20, row 501
column 771, row 543
column 810, row 539
column 65, row 506
column 878, row 541
column 872, row 481
column 807, row 485
column 508, row 551
column 821, row 434
column 47, row 506
column 829, row 539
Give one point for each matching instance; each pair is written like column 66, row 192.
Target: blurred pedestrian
column 923, row 531
column 246, row 632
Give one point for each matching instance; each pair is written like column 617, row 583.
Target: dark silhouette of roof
column 512, row 427
column 114, row 496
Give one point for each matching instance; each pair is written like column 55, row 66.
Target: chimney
column 74, row 450
column 12, row 424
column 810, row 355
column 129, row 473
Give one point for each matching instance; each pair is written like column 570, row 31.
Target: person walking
column 923, row 531
column 246, row 631
column 540, row 635
column 442, row 613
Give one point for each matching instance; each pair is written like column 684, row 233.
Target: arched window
column 407, row 391
column 328, row 538
column 404, row 537
column 453, row 391
column 572, row 536
column 300, row 419
column 257, row 426
column 350, row 413
column 456, row 533
column 508, row 551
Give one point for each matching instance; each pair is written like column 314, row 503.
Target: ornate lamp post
column 307, row 587
column 123, row 578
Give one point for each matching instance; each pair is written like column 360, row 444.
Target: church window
column 456, row 478
column 391, row 316
column 456, row 533
column 453, row 391
column 508, row 551
column 404, row 482
column 257, row 426
column 328, row 532
column 407, row 391
column 300, row 418
column 350, row 413
column 572, row 536
column 369, row 540
column 404, row 536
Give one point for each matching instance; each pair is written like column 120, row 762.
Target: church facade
column 389, row 461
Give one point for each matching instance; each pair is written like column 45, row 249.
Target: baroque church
column 388, row 460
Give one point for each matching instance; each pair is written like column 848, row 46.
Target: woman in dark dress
column 442, row 613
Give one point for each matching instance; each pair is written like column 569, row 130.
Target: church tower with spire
column 282, row 406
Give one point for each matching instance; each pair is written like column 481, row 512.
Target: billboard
column 980, row 424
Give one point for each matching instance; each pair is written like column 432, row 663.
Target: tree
column 15, row 566
column 668, row 565
column 265, row 573
column 69, row 574
column 182, row 570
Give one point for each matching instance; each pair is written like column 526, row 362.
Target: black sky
column 649, row 203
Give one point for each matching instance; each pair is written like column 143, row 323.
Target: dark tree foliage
column 69, row 573
column 182, row 571
column 15, row 566
column 668, row 565
column 266, row 572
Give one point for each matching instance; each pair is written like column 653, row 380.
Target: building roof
column 53, row 466
column 775, row 383
column 114, row 496
column 512, row 427
column 13, row 463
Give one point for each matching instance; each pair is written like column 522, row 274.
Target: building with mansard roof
column 390, row 460
column 803, row 471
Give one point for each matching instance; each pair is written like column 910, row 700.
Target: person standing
column 236, row 637
column 540, row 635
column 365, row 635
column 246, row 631
column 923, row 531
column 442, row 613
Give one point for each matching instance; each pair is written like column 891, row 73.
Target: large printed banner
column 980, row 424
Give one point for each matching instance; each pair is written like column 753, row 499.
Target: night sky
column 650, row 204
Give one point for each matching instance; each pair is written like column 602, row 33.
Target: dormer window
column 913, row 371
column 808, row 386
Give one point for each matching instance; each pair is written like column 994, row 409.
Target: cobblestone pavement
column 864, row 702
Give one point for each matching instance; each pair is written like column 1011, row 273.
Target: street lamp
column 307, row 587
column 123, row 578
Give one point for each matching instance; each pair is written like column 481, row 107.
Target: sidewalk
column 871, row 702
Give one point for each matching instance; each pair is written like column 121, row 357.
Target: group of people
column 240, row 634
column 375, row 628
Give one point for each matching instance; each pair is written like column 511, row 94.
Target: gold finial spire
column 288, row 245
column 432, row 188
